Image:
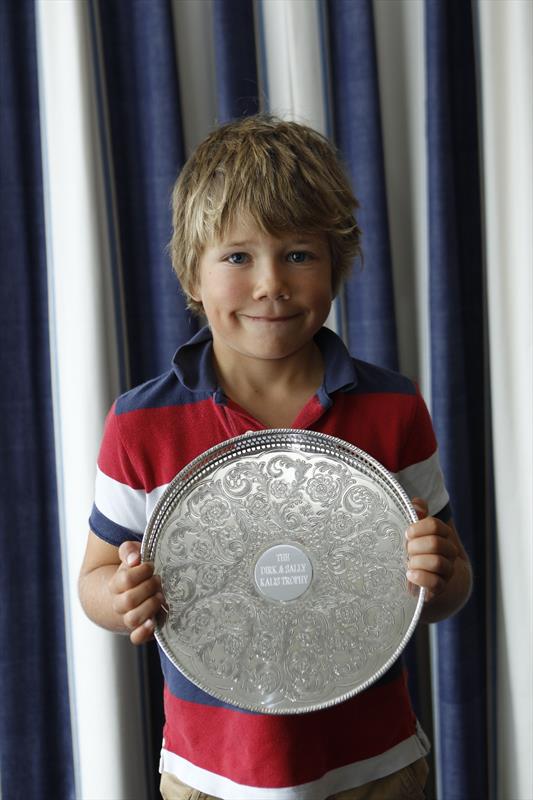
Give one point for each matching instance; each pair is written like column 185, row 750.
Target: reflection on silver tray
column 282, row 558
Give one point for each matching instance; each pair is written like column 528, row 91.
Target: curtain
column 134, row 47
column 459, row 387
column 101, row 103
column 236, row 77
column 33, row 653
column 369, row 315
column 139, row 86
column 505, row 32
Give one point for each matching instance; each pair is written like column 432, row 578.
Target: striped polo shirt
column 156, row 429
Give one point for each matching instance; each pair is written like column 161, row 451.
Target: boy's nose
column 271, row 282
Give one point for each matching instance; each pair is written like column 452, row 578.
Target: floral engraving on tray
column 252, row 649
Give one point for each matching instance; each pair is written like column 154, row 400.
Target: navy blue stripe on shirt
column 192, row 379
column 182, row 688
column 373, row 380
column 445, row 514
column 160, row 392
column 109, row 531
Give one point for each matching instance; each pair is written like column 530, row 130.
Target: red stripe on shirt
column 276, row 751
column 158, row 442
column 368, row 420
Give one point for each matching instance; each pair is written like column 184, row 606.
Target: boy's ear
column 194, row 292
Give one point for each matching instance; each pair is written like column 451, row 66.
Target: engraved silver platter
column 282, row 558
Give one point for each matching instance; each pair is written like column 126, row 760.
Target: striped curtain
column 101, row 102
column 34, row 684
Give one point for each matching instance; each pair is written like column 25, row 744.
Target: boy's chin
column 280, row 352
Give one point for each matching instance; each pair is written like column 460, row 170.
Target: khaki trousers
column 406, row 784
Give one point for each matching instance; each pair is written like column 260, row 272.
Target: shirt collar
column 193, row 363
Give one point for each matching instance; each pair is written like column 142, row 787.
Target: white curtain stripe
column 506, row 46
column 293, row 56
column 193, row 33
column 400, row 53
column 295, row 72
column 402, row 82
column 103, row 668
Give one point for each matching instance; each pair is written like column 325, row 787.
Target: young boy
column 264, row 234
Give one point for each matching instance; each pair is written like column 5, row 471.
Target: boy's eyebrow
column 235, row 244
column 296, row 242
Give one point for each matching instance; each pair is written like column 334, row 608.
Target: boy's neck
column 272, row 391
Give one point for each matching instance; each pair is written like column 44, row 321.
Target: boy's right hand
column 136, row 592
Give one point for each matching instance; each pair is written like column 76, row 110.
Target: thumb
column 130, row 553
column 420, row 506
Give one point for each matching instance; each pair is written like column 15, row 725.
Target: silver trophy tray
column 282, row 557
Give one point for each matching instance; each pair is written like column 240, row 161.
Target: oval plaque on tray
column 282, row 556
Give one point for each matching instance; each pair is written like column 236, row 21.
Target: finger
column 431, row 545
column 130, row 553
column 148, row 609
column 429, row 526
column 433, row 583
column 435, row 564
column 126, row 578
column 135, row 595
column 420, row 506
column 414, row 590
column 144, row 633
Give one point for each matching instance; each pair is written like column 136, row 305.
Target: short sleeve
column 119, row 510
column 421, row 473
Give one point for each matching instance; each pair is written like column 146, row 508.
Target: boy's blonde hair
column 281, row 175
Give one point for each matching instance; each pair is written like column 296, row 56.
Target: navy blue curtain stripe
column 146, row 149
column 369, row 313
column 144, row 114
column 369, row 295
column 458, row 380
column 35, row 726
column 235, row 59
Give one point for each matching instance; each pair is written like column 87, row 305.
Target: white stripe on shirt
column 425, row 480
column 337, row 780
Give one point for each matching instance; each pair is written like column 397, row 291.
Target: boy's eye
column 237, row 258
column 298, row 256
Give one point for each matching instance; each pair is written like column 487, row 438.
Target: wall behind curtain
column 125, row 91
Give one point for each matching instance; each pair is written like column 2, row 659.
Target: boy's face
column 265, row 296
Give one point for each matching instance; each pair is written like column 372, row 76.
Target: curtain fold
column 369, row 323
column 295, row 79
column 294, row 63
column 235, row 59
column 33, row 659
column 193, row 34
column 506, row 65
column 459, row 385
column 141, row 121
column 369, row 318
column 146, row 153
column 85, row 377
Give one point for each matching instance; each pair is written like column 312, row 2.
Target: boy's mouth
column 272, row 319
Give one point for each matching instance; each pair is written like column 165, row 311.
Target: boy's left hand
column 432, row 551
